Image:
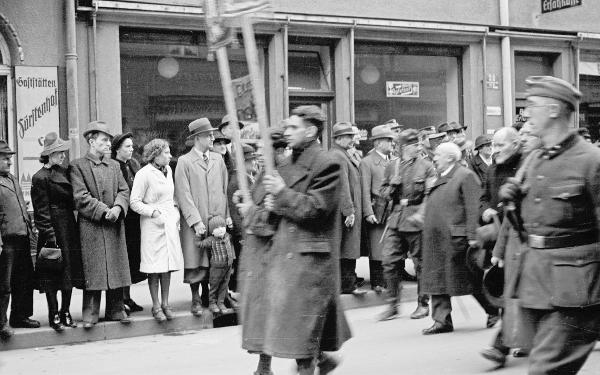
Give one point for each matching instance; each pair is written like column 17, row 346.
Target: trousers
column 17, row 276
column 441, row 306
column 348, row 273
column 114, row 305
column 219, row 281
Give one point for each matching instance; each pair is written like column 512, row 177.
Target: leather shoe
column 213, row 308
column 67, row 320
column 378, row 289
column 327, row 363
column 196, row 308
column 6, row 333
column 520, row 353
column 492, row 320
column 420, row 313
column 495, row 356
column 88, row 325
column 390, row 312
column 56, row 324
column 158, row 314
column 224, row 309
column 25, row 323
column 168, row 311
column 133, row 307
column 438, row 328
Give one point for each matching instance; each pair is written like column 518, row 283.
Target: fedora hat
column 199, row 126
column 493, row 285
column 382, row 131
column 4, row 149
column 53, row 143
column 482, row 140
column 227, row 119
column 342, row 128
column 97, row 126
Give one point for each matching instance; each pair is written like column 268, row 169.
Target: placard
column 244, row 98
column 554, row 5
column 402, row 89
column 36, row 95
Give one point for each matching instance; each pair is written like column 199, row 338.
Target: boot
column 420, row 312
column 55, row 323
column 391, row 311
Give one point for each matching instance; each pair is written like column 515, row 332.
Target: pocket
column 567, row 202
column 576, row 276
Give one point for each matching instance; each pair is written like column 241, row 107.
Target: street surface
column 387, row 348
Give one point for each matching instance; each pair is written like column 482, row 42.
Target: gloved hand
column 511, row 191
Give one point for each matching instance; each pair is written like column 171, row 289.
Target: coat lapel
column 7, row 183
column 293, row 173
column 444, row 179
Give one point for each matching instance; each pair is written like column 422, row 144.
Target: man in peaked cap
column 405, row 183
column 559, row 280
column 101, row 197
column 201, row 181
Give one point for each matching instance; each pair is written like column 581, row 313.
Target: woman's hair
column 154, row 148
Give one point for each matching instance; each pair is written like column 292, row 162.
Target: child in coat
column 221, row 256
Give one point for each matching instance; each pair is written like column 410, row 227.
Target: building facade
column 143, row 66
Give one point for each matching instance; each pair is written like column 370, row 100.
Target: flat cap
column 408, row 137
column 552, row 87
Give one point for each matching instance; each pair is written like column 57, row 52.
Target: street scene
column 299, row 187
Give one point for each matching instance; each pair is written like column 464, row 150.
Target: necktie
column 205, row 157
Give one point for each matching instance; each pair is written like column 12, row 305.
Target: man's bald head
column 446, row 154
column 505, row 144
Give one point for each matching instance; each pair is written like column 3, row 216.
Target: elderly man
column 404, row 184
column 201, row 190
column 457, row 134
column 301, row 285
column 101, row 197
column 375, row 207
column 558, row 195
column 480, row 162
column 350, row 206
column 451, row 217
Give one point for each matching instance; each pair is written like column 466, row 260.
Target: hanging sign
column 554, row 5
column 36, row 94
column 402, row 89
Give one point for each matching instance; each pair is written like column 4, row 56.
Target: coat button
column 289, row 255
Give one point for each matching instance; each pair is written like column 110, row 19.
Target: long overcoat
column 201, row 191
column 52, row 199
column 451, row 217
column 350, row 203
column 372, row 169
column 295, row 311
column 98, row 185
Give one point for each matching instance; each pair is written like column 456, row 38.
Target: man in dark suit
column 451, row 218
column 480, row 162
column 16, row 268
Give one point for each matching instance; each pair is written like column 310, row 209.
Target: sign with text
column 244, row 98
column 554, row 5
column 402, row 89
column 36, row 94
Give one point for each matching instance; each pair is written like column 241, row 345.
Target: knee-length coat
column 52, row 199
column 451, row 218
column 350, row 203
column 98, row 185
column 297, row 313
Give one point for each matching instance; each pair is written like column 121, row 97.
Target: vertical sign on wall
column 36, row 94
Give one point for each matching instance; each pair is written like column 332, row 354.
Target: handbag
column 50, row 259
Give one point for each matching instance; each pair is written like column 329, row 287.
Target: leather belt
column 554, row 242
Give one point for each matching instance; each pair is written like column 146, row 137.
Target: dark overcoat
column 478, row 166
column 350, row 203
column 297, row 312
column 451, row 217
column 52, row 199
column 98, row 185
column 132, row 224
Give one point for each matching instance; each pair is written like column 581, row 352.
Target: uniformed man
column 404, row 183
column 559, row 195
column 456, row 134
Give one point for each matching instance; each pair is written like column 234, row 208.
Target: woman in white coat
column 152, row 196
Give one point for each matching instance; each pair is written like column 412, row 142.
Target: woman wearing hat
column 52, row 198
column 122, row 151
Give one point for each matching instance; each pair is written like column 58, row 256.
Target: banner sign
column 402, row 89
column 218, row 32
column 244, row 99
column 36, row 94
column 554, row 5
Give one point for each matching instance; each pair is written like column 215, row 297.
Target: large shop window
column 530, row 64
column 167, row 82
column 589, row 84
column 4, row 74
column 418, row 85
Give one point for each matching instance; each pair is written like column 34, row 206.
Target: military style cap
column 393, row 124
column 382, row 131
column 97, row 126
column 482, row 140
column 408, row 137
column 449, row 126
column 4, row 149
column 552, row 87
column 342, row 128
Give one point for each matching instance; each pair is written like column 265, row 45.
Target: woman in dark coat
column 52, row 197
column 122, row 151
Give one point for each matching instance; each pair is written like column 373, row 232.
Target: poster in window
column 402, row 89
column 36, row 95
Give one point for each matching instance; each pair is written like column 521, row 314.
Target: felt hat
column 97, row 126
column 342, row 128
column 226, row 120
column 481, row 141
column 215, row 222
column 118, row 141
column 552, row 87
column 220, row 137
column 408, row 137
column 53, row 143
column 199, row 126
column 382, row 131
column 4, row 149
column 493, row 285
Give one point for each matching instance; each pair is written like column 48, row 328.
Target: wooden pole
column 258, row 90
column 238, row 151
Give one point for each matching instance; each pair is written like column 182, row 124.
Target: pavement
column 384, row 348
column 143, row 324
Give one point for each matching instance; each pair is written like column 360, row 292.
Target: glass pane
column 589, row 84
column 415, row 90
column 309, row 68
column 3, row 108
column 531, row 65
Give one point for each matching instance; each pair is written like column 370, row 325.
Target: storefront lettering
column 35, row 82
column 554, row 5
column 29, row 121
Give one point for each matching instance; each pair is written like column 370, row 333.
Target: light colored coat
column 201, row 191
column 160, row 247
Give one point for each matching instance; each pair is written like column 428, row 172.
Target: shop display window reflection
column 589, row 85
